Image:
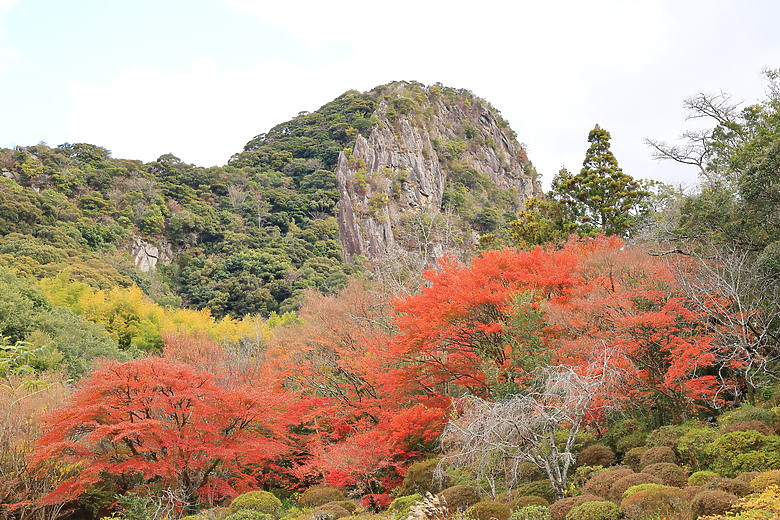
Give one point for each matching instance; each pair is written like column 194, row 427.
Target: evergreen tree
column 601, row 197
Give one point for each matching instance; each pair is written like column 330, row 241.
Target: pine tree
column 601, row 197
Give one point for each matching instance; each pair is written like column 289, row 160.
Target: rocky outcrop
column 147, row 255
column 428, row 145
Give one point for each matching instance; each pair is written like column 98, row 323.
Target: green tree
column 601, row 197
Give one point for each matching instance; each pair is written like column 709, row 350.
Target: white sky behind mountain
column 200, row 78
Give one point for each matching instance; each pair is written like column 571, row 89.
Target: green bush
column 487, row 509
column 700, row 478
column 693, row 447
column 399, row 508
column 531, row 513
column 537, row 488
column 633, row 457
column 419, row 478
column 737, row 452
column 712, row 502
column 669, row 474
column 561, row 508
column 639, row 487
column 600, row 483
column 629, row 442
column 621, row 430
column 456, row 497
column 319, row 495
column 657, row 454
column 662, row 501
column 746, row 412
column 248, row 514
column 258, row 500
column 595, row 511
column 596, row 455
column 668, row 436
column 618, row 487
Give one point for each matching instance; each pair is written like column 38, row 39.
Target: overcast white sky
column 199, row 78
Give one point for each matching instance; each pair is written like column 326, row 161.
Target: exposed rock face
column 147, row 255
column 421, row 154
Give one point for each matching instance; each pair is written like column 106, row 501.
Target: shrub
column 737, row 452
column 258, row 500
column 730, row 485
column 744, row 413
column 521, row 502
column 670, row 474
column 595, row 511
column 747, row 476
column 419, row 478
column 764, row 480
column 320, row 495
column 629, row 442
column 346, row 504
column 746, row 426
column 618, row 487
column 456, row 497
column 399, row 508
column 330, row 511
column 712, row 502
column 633, row 457
column 248, row 514
column 601, row 482
column 656, row 455
column 531, row 513
column 487, row 509
column 693, row 446
column 663, row 501
column 699, row 478
column 559, row 509
column 761, row 505
column 639, row 487
column 537, row 488
column 596, row 455
column 666, row 436
column 622, row 429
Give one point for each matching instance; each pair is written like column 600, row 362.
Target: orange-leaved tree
column 157, row 420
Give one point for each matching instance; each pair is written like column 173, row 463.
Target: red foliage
column 159, row 420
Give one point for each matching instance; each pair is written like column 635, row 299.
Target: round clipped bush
column 320, row 495
column 531, row 513
column 526, row 501
column 622, row 429
column 457, row 497
column 559, row 509
column 603, row 510
column 669, row 474
column 257, row 500
column 730, row 485
column 639, row 487
column 747, row 476
column 656, row 455
column 346, row 504
column 633, row 457
column 419, row 478
column 712, row 502
column 600, row 483
column 700, row 478
column 248, row 514
column 746, row 426
column 401, row 505
column 765, row 479
column 618, row 487
column 330, row 512
column 537, row 488
column 487, row 509
column 596, row 455
column 662, row 501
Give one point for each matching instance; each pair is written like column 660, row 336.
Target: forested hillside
column 373, row 311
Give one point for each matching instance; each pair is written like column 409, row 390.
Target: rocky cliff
column 431, row 150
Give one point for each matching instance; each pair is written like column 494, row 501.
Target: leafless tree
column 739, row 303
column 490, row 439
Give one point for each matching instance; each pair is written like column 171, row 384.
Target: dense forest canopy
column 608, row 351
